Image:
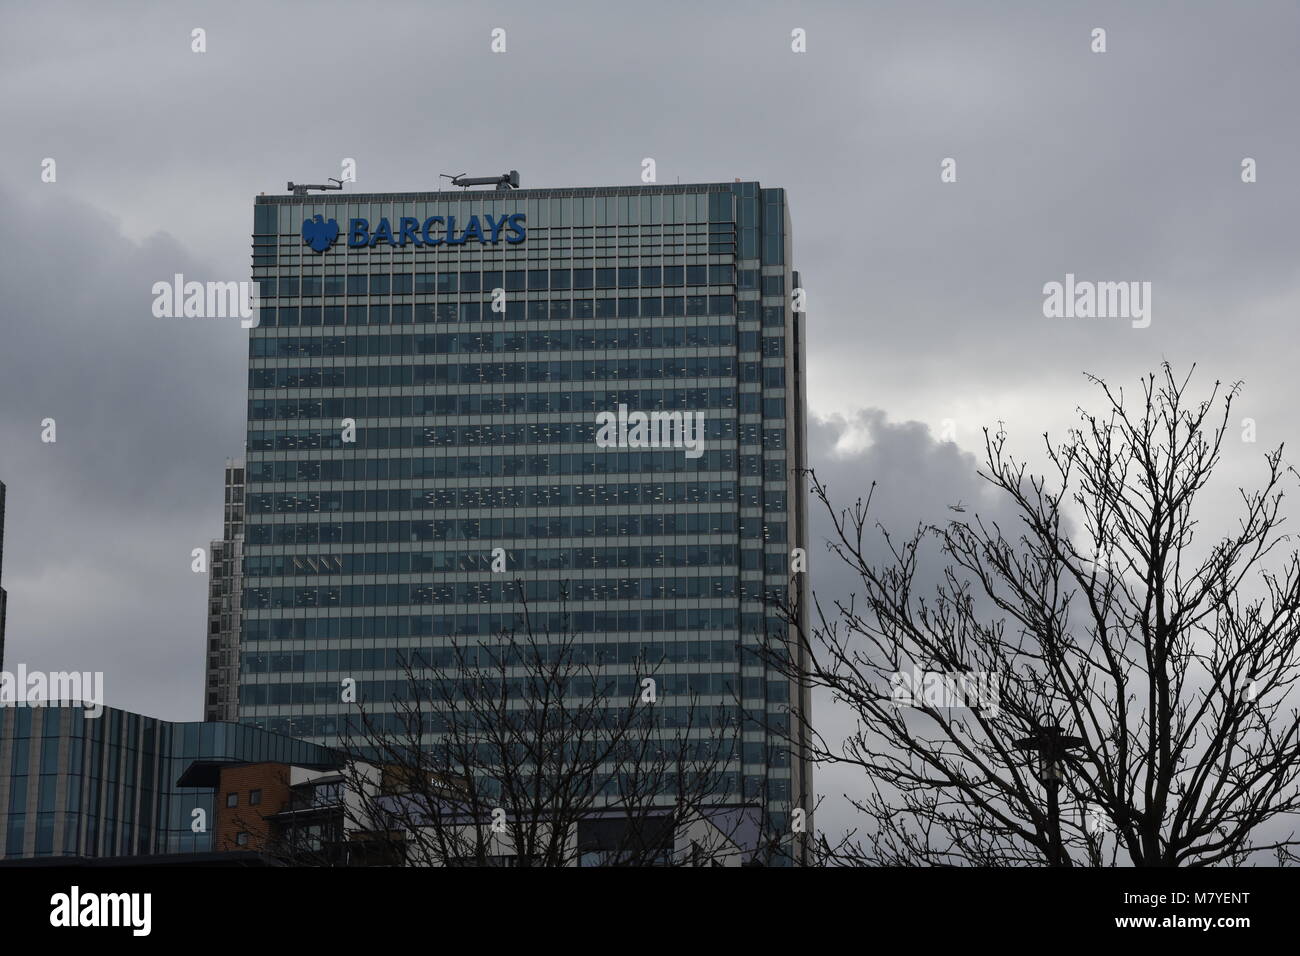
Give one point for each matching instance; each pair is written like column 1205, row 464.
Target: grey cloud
column 917, row 479
column 101, row 523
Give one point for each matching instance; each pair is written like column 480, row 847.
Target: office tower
column 472, row 339
column 225, row 596
column 4, row 597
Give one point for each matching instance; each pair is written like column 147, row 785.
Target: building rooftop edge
column 561, row 192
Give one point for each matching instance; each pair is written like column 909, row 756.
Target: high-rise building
column 4, row 597
column 225, row 596
column 439, row 375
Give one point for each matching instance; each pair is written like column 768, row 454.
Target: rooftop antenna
column 503, row 182
column 300, row 189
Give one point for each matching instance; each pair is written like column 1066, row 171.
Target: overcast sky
column 925, row 298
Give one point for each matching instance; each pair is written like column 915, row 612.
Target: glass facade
column 474, row 372
column 71, row 785
column 225, row 592
column 4, row 598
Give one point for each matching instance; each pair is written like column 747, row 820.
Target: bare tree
column 1096, row 685
column 522, row 750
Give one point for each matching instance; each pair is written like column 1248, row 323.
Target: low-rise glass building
column 107, row 786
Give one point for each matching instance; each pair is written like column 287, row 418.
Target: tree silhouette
column 1141, row 674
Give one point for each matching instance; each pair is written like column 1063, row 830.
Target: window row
column 528, row 559
column 474, row 343
column 428, row 625
column 561, row 526
column 400, row 376
column 587, row 589
column 448, row 436
column 585, row 691
column 536, row 496
column 517, row 280
column 649, row 657
column 508, row 403
column 486, row 466
column 498, row 529
column 517, row 310
column 476, row 403
column 574, row 622
column 582, row 589
column 655, row 493
column 515, row 558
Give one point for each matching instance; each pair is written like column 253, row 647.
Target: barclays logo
column 321, row 234
column 318, row 233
